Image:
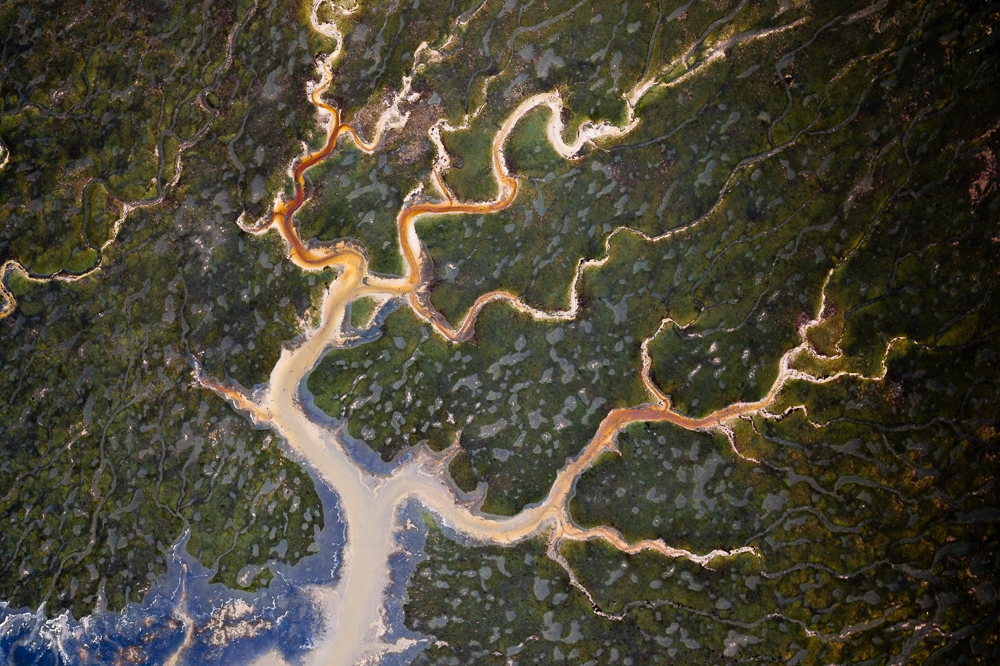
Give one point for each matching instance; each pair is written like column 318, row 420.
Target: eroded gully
column 354, row 607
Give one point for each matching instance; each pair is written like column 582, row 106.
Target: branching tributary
column 354, row 607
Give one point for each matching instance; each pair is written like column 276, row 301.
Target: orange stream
column 315, row 257
column 369, row 502
column 414, row 283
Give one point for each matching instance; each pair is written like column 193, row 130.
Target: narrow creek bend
column 354, row 608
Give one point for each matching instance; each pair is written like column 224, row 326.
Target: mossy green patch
column 109, row 450
column 362, row 310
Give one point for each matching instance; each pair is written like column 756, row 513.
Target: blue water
column 28, row 637
column 31, row 638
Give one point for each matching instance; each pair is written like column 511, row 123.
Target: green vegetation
column 355, row 196
column 109, row 452
column 485, row 603
column 854, row 505
column 803, row 173
column 524, row 393
column 362, row 310
column 768, row 171
column 841, row 167
column 870, row 521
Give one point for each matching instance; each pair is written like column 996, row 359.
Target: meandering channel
column 354, row 608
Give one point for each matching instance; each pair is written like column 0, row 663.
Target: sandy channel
column 354, row 608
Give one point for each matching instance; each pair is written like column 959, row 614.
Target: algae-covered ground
column 108, row 451
column 870, row 524
column 819, row 174
column 788, row 148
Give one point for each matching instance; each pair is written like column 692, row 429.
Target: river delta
column 499, row 332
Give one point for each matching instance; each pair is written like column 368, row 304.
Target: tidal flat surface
column 499, row 332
